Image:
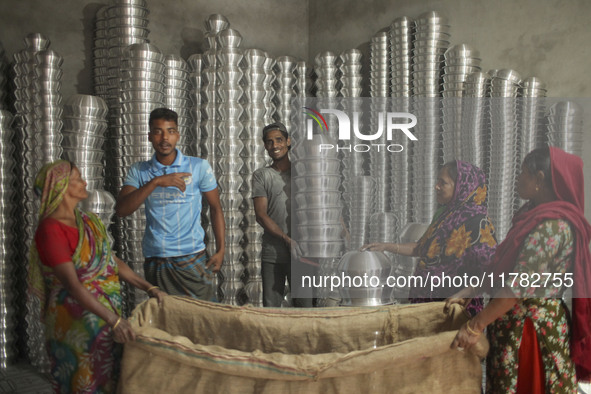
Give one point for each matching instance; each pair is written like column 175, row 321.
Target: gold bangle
column 117, row 323
column 397, row 249
column 152, row 288
column 470, row 330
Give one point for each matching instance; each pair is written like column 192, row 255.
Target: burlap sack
column 189, row 346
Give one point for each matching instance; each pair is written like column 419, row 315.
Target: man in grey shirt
column 271, row 191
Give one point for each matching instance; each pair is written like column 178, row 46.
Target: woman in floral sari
column 74, row 278
column 536, row 347
column 460, row 239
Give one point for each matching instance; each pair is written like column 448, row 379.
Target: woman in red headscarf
column 536, row 347
column 74, row 281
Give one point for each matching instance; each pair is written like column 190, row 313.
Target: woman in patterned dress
column 460, row 239
column 535, row 346
column 74, row 280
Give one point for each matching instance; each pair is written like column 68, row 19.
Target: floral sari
column 80, row 344
column 460, row 239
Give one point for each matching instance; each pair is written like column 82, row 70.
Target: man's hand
column 176, row 179
column 215, row 262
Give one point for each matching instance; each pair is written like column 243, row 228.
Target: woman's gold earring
column 537, row 189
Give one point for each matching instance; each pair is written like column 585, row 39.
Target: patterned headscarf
column 461, row 238
column 51, row 184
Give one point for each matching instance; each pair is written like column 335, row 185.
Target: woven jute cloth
column 191, row 346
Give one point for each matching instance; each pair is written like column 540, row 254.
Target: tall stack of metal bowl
column 401, row 37
column 532, row 111
column 100, row 51
column 126, row 24
column 176, row 97
column 3, row 77
column 8, row 261
column 475, row 125
column 85, row 124
column 379, row 76
column 303, row 84
column 350, row 89
column 253, row 156
column 285, row 81
column 102, row 203
column 326, row 69
column 361, row 202
column 269, row 85
column 213, row 25
column 565, row 126
column 142, row 83
column 29, row 115
column 317, row 204
column 195, row 62
column 431, row 40
column 504, row 149
column 460, row 61
column 229, row 162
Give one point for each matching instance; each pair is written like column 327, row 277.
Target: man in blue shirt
column 171, row 186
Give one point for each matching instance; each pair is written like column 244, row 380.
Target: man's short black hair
column 275, row 126
column 163, row 113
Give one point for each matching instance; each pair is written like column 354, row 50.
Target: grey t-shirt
column 276, row 186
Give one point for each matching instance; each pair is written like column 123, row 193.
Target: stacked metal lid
column 460, row 61
column 532, row 111
column 431, row 40
column 317, row 195
column 401, row 41
column 284, row 84
column 565, row 126
column 384, row 227
column 100, row 51
column 85, row 123
column 209, row 120
column 475, row 124
column 351, row 77
column 504, row 149
column 176, row 97
column 8, row 256
column 253, row 155
column 229, row 162
column 361, row 202
column 195, row 62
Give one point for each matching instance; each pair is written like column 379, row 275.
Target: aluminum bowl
column 321, row 233
column 321, row 249
column 36, row 42
column 229, row 38
column 80, row 157
column 317, row 183
column 75, row 140
column 317, row 167
column 216, row 23
column 315, row 200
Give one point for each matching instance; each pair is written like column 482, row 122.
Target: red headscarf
column 567, row 179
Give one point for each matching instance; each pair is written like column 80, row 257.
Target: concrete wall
column 279, row 27
column 549, row 39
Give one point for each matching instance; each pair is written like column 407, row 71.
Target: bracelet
column 152, row 288
column 397, row 248
column 117, row 323
column 470, row 330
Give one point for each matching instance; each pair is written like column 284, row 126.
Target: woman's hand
column 122, row 331
column 158, row 294
column 466, row 337
column 377, row 247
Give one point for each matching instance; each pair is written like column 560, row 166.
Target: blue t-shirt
column 173, row 218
